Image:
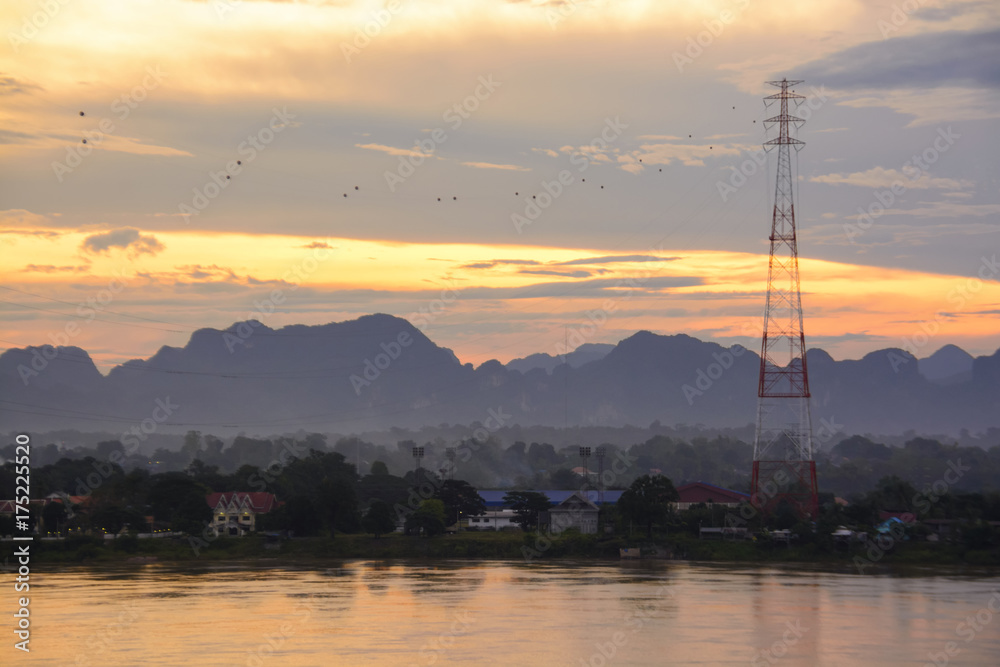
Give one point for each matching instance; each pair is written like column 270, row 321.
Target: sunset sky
column 429, row 115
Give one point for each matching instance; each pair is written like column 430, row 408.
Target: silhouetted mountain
column 949, row 365
column 582, row 355
column 379, row 371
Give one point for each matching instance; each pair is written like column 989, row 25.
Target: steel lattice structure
column 783, row 466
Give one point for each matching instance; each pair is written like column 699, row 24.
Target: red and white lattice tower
column 783, row 466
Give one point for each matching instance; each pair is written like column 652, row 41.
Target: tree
column 526, row 506
column 113, row 518
column 379, row 468
column 428, row 519
column 53, row 516
column 648, row 500
column 328, row 483
column 176, row 498
column 379, row 519
column 192, row 445
column 459, row 497
column 566, row 480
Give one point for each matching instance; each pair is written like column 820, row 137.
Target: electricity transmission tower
column 783, row 466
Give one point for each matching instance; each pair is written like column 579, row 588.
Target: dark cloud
column 11, row 86
column 125, row 238
column 922, row 61
column 609, row 259
column 493, row 262
column 318, row 244
column 51, row 268
column 946, row 13
column 550, row 272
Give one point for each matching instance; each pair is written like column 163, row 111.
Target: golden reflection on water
column 498, row 613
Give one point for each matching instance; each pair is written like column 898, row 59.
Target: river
column 505, row 613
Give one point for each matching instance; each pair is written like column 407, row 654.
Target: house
column 494, row 519
column 702, row 492
column 235, row 512
column 494, row 498
column 576, row 511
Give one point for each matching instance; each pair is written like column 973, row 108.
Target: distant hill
column 949, row 365
column 582, row 355
column 379, row 371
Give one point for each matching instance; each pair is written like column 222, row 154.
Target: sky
column 510, row 175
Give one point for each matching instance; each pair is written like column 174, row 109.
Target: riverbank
column 501, row 546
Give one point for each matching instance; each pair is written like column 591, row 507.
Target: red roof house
column 235, row 512
column 701, row 492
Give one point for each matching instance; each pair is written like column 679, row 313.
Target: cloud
column 24, row 218
column 490, row 165
column 946, row 105
column 126, row 238
column 687, row 154
column 136, row 147
column 553, row 272
column 318, row 245
column 928, row 60
column 392, row 150
column 610, row 259
column 546, row 151
column 947, row 209
column 50, row 268
column 12, row 86
column 880, row 177
column 493, row 262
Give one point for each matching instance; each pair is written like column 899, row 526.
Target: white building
column 494, row 519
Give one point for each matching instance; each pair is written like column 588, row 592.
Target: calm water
column 503, row 613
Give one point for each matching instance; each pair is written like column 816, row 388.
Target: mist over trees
column 285, row 465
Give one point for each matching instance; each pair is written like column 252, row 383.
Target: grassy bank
column 499, row 545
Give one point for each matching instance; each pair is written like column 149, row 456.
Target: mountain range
column 380, row 371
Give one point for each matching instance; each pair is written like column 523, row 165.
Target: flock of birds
column 454, row 198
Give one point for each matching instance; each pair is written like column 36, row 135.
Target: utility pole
column 783, row 465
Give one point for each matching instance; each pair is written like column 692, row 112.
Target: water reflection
column 502, row 613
